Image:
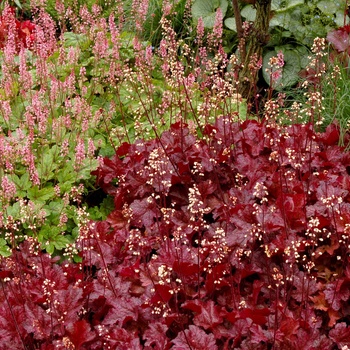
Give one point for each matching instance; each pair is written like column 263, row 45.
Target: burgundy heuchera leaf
column 194, row 338
column 340, row 38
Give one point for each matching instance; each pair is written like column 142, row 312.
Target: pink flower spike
column 200, row 29
column 280, row 57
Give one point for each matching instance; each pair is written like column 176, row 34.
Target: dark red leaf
column 341, row 335
column 340, row 39
column 155, row 336
column 258, row 316
column 331, row 136
column 80, row 333
column 207, row 314
column 194, row 338
column 123, row 310
column 123, row 149
column 162, row 294
column 185, row 269
column 6, row 274
column 144, row 212
column 123, row 339
column 289, row 326
column 259, row 335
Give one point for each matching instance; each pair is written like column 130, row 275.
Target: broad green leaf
column 4, row 248
column 207, row 9
column 66, row 175
column 107, row 151
column 284, row 5
column 242, row 110
column 281, row 19
column 47, row 165
column 61, row 241
column 339, row 19
column 88, row 61
column 249, row 13
column 51, row 237
column 22, row 183
column 13, row 210
column 126, row 49
column 331, row 7
column 55, row 206
column 54, row 210
column 102, row 211
column 295, row 61
column 87, row 167
column 36, row 194
column 75, row 40
column 49, row 247
column 230, row 23
column 47, row 232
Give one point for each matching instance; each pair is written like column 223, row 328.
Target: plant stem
column 239, row 25
column 255, row 43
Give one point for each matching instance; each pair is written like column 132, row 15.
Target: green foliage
column 4, row 248
column 207, row 10
column 295, row 59
column 303, row 21
column 298, row 19
column 336, row 91
column 294, row 24
column 152, row 29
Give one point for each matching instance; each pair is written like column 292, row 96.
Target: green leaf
column 55, row 206
column 47, row 232
column 284, row 5
column 87, row 167
column 242, row 110
column 52, row 238
column 36, row 194
column 49, row 247
column 282, row 19
column 61, row 241
column 207, row 9
column 48, row 164
column 249, row 13
column 75, row 40
column 102, row 211
column 66, row 175
column 107, row 151
column 13, row 210
column 331, row 7
column 4, row 248
column 22, row 183
column 18, row 4
column 230, row 23
column 54, row 210
column 339, row 19
column 295, row 61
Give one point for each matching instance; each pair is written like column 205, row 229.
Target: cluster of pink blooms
column 23, row 31
column 276, row 64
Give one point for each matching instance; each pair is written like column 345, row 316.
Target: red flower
column 24, row 32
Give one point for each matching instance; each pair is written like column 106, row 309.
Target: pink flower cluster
column 276, row 63
column 24, row 31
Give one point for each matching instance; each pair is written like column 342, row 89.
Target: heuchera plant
column 339, row 38
column 235, row 240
